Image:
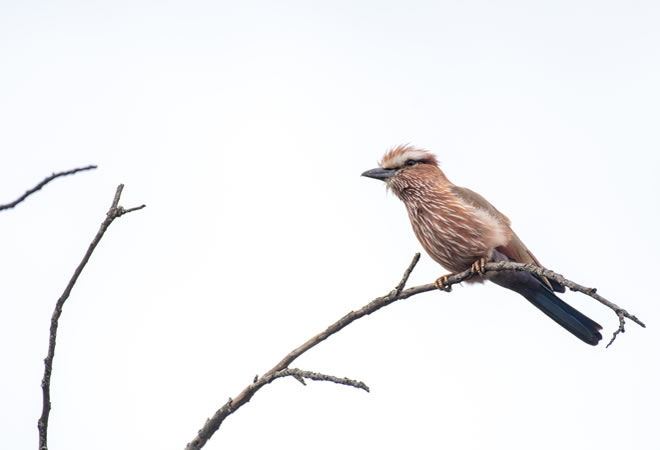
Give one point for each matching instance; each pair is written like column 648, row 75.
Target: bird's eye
column 411, row 162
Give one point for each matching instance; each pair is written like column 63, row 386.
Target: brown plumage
column 458, row 227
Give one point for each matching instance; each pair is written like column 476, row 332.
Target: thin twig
column 402, row 284
column 114, row 212
column 44, row 183
column 398, row 293
column 302, row 374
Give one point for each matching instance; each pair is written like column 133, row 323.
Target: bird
column 461, row 230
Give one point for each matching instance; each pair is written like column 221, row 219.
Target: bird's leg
column 442, row 283
column 479, row 266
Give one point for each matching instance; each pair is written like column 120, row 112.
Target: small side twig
column 300, row 375
column 114, row 212
column 402, row 284
column 44, row 183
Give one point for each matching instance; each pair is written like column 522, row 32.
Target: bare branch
column 212, row 424
column 44, row 183
column 114, row 212
column 398, row 293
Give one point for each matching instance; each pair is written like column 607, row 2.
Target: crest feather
column 397, row 157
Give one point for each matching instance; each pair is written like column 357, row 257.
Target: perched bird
column 459, row 229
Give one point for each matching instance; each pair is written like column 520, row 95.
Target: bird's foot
column 442, row 283
column 479, row 266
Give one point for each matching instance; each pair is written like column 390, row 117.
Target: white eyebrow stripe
column 400, row 159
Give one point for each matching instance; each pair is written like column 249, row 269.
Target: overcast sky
column 244, row 127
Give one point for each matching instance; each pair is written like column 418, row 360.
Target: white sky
column 244, row 127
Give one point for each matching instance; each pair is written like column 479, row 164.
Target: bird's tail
column 542, row 297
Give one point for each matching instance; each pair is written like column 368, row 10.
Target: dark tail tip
column 565, row 315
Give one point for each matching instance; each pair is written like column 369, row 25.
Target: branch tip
column 43, row 183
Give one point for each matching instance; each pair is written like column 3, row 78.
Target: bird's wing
column 515, row 249
column 478, row 201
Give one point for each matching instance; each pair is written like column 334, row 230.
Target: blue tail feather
column 540, row 295
column 564, row 314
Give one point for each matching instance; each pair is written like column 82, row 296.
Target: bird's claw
column 479, row 266
column 442, row 283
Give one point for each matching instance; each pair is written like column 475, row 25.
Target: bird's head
column 405, row 167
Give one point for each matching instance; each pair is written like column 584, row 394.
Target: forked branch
column 398, row 293
column 114, row 212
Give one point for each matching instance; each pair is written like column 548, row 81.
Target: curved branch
column 44, row 183
column 114, row 212
column 398, row 293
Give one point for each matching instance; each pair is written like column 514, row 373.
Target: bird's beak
column 379, row 174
